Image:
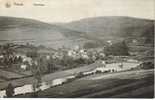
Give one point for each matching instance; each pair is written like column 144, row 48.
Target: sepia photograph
column 77, row 48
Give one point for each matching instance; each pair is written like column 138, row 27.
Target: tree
column 36, row 72
column 9, row 90
column 32, row 54
column 117, row 49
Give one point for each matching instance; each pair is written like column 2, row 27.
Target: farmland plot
column 112, row 85
column 48, row 77
column 9, row 75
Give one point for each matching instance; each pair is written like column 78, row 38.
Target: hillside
column 117, row 27
column 27, row 30
column 96, row 29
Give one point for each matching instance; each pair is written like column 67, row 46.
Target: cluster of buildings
column 87, row 55
column 79, row 53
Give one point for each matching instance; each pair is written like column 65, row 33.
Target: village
column 22, row 58
column 27, row 61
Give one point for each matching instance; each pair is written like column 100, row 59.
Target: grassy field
column 48, row 77
column 7, row 75
column 118, row 84
column 123, row 84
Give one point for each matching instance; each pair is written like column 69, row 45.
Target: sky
column 70, row 10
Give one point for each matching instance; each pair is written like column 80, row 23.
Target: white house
column 1, row 56
column 58, row 81
column 23, row 66
column 109, row 42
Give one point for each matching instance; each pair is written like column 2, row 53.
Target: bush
column 79, row 75
column 147, row 65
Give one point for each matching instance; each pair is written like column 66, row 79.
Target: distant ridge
column 88, row 29
column 115, row 28
column 27, row 30
column 114, row 25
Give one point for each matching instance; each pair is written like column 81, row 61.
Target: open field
column 23, row 79
column 48, row 77
column 2, row 80
column 121, row 84
column 7, row 75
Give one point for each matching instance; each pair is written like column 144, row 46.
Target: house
column 23, row 66
column 27, row 59
column 1, row 56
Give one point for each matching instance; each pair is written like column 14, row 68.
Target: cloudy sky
column 69, row 10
